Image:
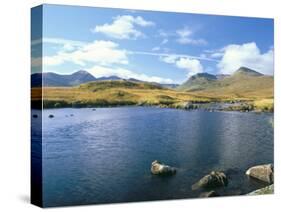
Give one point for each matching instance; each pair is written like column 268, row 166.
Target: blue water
column 104, row 156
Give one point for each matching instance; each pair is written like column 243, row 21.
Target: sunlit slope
column 243, row 84
column 111, row 93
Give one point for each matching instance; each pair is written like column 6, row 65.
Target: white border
column 14, row 106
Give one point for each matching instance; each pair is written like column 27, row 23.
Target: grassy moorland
column 113, row 93
column 254, row 88
column 123, row 92
column 238, row 87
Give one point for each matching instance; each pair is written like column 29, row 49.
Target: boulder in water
column 209, row 194
column 264, row 173
column 212, row 180
column 157, row 168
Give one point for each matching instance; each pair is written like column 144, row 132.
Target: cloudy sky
column 151, row 46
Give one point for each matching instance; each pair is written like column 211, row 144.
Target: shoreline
column 212, row 106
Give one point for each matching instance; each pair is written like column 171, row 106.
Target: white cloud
column 190, row 65
column 169, row 58
column 102, row 71
column 249, row 55
column 53, row 60
column 185, row 32
column 185, row 37
column 182, row 36
column 216, row 55
column 68, row 47
column 99, row 52
column 59, row 41
column 166, row 55
column 123, row 27
column 156, row 48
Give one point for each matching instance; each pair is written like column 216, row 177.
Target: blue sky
column 163, row 47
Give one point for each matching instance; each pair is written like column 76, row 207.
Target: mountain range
column 244, row 86
column 50, row 79
column 243, row 81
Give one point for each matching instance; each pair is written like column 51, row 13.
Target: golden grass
column 109, row 93
column 139, row 96
column 264, row 104
column 239, row 88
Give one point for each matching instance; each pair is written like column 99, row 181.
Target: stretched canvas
column 132, row 105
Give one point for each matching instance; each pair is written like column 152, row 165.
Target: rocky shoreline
column 216, row 179
column 240, row 106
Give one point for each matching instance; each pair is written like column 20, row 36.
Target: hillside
column 247, row 71
column 113, row 93
column 245, row 89
column 198, row 82
column 242, row 84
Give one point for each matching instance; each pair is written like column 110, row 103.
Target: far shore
column 239, row 106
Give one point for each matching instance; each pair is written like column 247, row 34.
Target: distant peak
column 203, row 75
column 81, row 72
column 247, row 71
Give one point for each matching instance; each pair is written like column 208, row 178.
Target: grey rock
column 158, row 168
column 264, row 173
column 212, row 180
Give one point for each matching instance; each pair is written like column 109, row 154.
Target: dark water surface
column 105, row 155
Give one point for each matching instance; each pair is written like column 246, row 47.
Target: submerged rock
column 51, row 116
column 265, row 190
column 209, row 194
column 212, row 180
column 158, row 168
column 264, row 173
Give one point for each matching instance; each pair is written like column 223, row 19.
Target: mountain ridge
column 247, row 71
column 51, row 79
column 243, row 82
